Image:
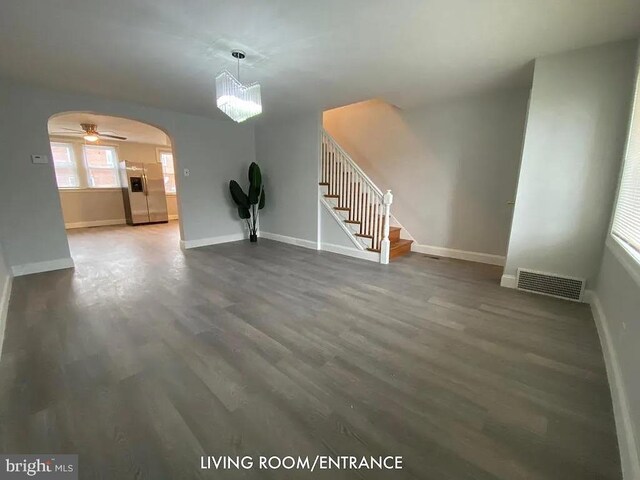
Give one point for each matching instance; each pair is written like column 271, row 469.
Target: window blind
column 626, row 220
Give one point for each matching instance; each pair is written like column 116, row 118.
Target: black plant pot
column 253, row 238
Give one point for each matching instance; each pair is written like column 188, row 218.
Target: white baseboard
column 173, row 217
column 351, row 252
column 95, row 223
column 4, row 309
column 39, row 267
column 589, row 297
column 291, row 240
column 624, row 426
column 203, row 242
column 459, row 254
column 508, row 281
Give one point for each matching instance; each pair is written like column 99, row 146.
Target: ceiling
column 307, row 55
column 134, row 131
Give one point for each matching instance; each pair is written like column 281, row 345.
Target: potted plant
column 249, row 205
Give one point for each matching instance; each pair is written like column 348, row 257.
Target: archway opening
column 116, row 179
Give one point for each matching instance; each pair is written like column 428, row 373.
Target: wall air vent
column 569, row 288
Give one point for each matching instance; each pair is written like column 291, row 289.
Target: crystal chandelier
column 238, row 101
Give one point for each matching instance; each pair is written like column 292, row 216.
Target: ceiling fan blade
column 117, row 137
column 72, row 130
column 66, row 133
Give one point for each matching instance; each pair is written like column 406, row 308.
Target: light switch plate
column 39, row 159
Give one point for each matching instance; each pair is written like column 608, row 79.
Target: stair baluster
column 361, row 200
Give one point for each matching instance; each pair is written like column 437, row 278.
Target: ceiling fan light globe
column 91, row 137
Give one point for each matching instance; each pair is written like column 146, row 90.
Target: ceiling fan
column 89, row 132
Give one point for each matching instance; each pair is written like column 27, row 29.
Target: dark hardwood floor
column 146, row 357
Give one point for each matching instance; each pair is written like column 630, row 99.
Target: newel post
column 387, row 200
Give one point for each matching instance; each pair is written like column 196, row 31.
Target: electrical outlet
column 186, row 172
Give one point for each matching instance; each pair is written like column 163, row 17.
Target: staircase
column 360, row 207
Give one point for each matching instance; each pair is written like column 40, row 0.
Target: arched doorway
column 113, row 173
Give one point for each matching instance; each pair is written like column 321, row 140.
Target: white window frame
column 159, row 152
column 627, row 255
column 74, row 162
column 88, row 169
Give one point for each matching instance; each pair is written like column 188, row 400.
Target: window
column 102, row 166
column 65, row 165
column 626, row 220
column 166, row 159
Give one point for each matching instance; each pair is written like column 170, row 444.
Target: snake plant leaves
column 255, row 183
column 244, row 213
column 262, row 200
column 238, row 195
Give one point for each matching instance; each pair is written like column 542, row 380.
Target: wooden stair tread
column 400, row 243
column 399, row 248
column 324, row 184
column 396, row 247
column 345, row 209
column 355, row 222
column 332, row 196
column 391, row 230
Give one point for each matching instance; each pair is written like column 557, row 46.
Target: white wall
column 452, row 166
column 573, row 146
column 288, row 152
column 617, row 309
column 91, row 206
column 213, row 150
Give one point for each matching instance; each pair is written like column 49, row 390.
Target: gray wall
column 573, row 146
column 5, row 291
column 4, row 266
column 288, row 152
column 452, row 166
column 331, row 233
column 5, row 276
column 33, row 230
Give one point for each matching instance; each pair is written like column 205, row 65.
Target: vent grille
column 550, row 284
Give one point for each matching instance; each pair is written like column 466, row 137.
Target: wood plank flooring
column 146, row 357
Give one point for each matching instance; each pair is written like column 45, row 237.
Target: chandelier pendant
column 240, row 102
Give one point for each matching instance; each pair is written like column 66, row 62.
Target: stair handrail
column 356, row 167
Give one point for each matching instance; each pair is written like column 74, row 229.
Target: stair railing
column 357, row 195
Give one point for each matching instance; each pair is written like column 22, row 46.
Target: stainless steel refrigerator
column 143, row 193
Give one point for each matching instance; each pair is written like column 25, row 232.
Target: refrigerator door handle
column 145, row 190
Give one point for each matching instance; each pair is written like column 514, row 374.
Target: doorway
column 112, row 173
